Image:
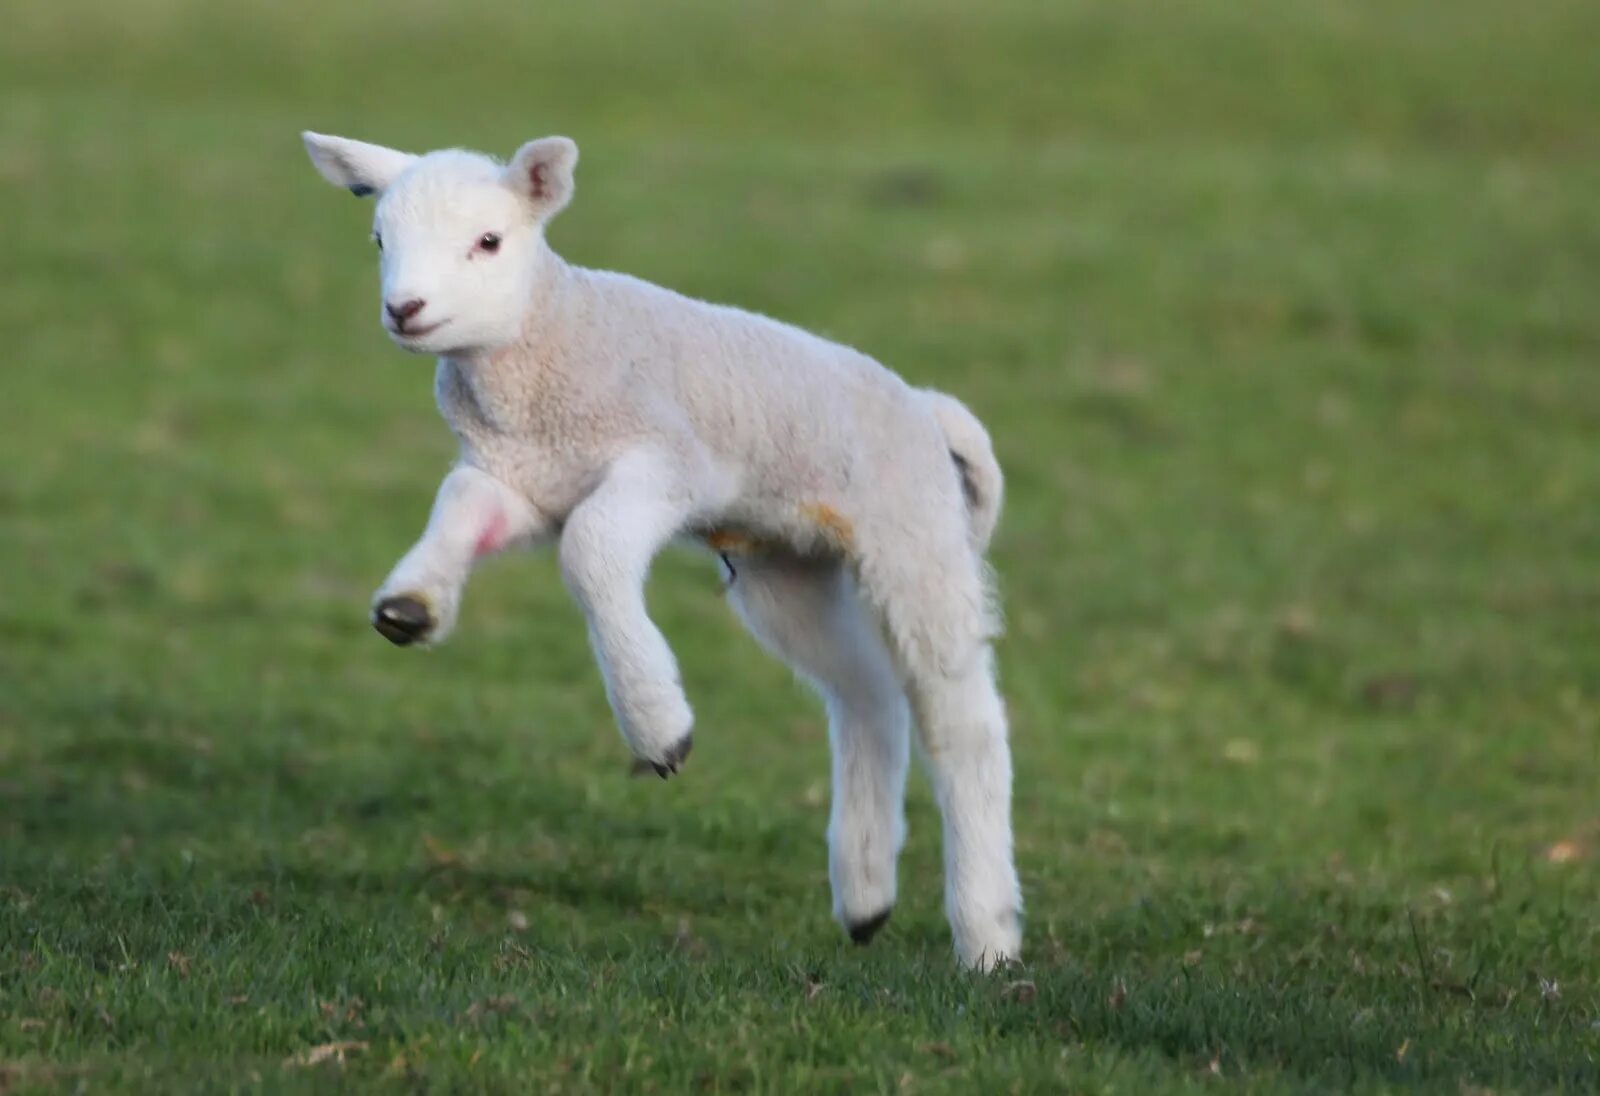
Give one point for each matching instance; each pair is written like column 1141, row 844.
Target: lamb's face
column 460, row 237
column 457, row 253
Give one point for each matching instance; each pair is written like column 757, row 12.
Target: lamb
column 609, row 417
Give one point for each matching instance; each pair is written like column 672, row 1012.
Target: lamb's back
column 780, row 401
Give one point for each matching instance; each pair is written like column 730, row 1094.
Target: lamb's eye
column 378, row 239
column 490, row 242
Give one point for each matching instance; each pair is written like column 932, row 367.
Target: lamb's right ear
column 358, row 167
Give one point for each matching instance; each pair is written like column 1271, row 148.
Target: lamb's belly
column 808, row 527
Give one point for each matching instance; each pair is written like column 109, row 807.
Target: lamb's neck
column 550, row 296
column 552, row 308
column 536, row 386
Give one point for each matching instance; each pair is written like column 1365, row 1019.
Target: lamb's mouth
column 411, row 333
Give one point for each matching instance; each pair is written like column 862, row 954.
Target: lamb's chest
column 546, row 468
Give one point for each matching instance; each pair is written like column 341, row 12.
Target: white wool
column 613, row 416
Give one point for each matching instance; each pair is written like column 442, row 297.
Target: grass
column 1284, row 318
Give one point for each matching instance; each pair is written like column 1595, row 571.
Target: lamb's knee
column 961, row 713
column 589, row 574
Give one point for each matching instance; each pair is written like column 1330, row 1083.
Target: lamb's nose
column 404, row 310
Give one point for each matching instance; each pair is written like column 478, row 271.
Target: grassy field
column 1286, row 319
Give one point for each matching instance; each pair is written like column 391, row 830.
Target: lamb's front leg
column 606, row 549
column 473, row 516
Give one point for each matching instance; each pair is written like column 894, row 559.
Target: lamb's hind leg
column 808, row 614
column 934, row 602
column 961, row 721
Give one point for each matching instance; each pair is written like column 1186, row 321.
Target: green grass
column 1286, row 320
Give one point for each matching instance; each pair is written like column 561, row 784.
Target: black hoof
column 668, row 765
column 862, row 932
column 402, row 620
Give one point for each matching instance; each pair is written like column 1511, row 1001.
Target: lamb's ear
column 360, row 168
column 541, row 172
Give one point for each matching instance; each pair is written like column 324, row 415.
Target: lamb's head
column 460, row 236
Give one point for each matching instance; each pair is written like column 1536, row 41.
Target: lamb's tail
column 973, row 455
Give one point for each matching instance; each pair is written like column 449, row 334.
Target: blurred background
column 1284, row 319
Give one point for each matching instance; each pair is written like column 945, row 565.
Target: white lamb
column 850, row 509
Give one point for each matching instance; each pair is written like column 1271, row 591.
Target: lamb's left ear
column 541, row 172
column 360, row 168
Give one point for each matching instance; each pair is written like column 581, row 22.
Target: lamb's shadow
column 1308, row 1029
column 146, row 791
column 1311, row 1024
